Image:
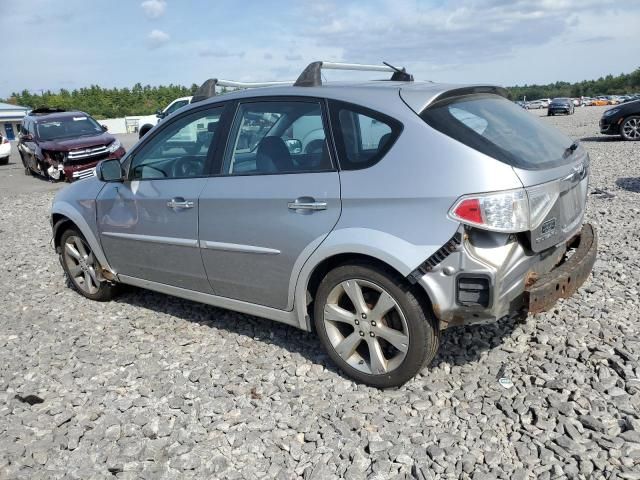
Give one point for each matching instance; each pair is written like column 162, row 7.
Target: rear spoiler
column 470, row 90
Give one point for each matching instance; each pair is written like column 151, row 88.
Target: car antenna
column 400, row 74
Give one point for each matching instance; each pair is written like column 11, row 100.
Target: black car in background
column 561, row 105
column 623, row 120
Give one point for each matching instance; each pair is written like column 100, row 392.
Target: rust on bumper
column 564, row 280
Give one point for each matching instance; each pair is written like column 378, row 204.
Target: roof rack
column 311, row 76
column 46, row 110
column 208, row 88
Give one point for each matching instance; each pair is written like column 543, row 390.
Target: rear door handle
column 179, row 203
column 300, row 204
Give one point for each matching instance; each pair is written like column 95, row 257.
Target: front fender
column 67, row 210
column 399, row 254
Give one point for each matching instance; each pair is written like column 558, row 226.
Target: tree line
column 609, row 85
column 146, row 100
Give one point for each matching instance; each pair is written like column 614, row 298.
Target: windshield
column 497, row 127
column 560, row 100
column 67, row 127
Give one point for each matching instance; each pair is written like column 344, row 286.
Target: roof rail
column 208, row 88
column 311, row 76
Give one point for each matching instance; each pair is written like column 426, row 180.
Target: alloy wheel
column 81, row 264
column 631, row 128
column 366, row 326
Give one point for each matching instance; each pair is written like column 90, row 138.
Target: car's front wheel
column 374, row 325
column 82, row 267
column 630, row 129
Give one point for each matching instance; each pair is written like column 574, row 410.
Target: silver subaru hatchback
column 374, row 213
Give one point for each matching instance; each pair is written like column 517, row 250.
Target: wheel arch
column 64, row 216
column 320, row 269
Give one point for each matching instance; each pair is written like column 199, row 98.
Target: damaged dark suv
column 62, row 145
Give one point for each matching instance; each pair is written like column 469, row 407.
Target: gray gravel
column 149, row 386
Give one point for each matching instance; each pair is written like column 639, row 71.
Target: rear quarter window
column 362, row 136
column 500, row 129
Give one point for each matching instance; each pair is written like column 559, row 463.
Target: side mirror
column 104, row 127
column 27, row 137
column 294, row 145
column 110, row 171
column 160, row 114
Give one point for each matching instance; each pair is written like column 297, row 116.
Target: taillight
column 4, row 140
column 508, row 211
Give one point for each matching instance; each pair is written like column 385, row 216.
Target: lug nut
column 357, row 322
column 364, row 315
column 373, row 324
column 361, row 333
column 372, row 334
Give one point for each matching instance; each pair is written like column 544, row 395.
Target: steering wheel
column 187, row 167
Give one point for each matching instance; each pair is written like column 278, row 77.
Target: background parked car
column 64, row 145
column 561, row 105
column 600, row 101
column 623, row 120
column 536, row 105
column 5, row 150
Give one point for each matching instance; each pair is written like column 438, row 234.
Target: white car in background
column 160, row 114
column 5, row 150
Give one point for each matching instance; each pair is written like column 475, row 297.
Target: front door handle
column 179, row 203
column 306, row 203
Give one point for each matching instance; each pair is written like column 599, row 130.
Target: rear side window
column 497, row 127
column 363, row 136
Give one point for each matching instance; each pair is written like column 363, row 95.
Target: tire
column 4, row 160
column 630, row 128
column 80, row 271
column 143, row 130
column 408, row 322
column 27, row 170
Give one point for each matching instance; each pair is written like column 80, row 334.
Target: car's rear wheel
column 373, row 325
column 630, row 129
column 82, row 267
column 4, row 160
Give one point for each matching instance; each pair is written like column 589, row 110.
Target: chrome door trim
column 236, row 247
column 180, row 242
column 307, row 205
column 282, row 316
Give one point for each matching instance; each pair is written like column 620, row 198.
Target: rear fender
column 399, row 254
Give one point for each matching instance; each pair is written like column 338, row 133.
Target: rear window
column 497, row 127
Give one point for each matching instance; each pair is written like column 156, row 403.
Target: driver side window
column 180, row 150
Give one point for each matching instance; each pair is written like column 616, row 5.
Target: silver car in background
column 374, row 213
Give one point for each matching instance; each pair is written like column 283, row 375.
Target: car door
column 273, row 202
column 149, row 223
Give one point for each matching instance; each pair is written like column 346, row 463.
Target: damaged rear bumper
column 485, row 276
column 563, row 281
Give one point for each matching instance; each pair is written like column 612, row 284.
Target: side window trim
column 334, row 109
column 128, row 159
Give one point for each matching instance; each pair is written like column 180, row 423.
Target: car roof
column 57, row 115
column 383, row 95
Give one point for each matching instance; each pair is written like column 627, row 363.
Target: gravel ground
column 149, row 386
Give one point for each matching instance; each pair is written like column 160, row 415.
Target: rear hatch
column 552, row 168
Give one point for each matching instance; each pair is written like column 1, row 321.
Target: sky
column 53, row 44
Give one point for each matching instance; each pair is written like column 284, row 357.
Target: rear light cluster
column 3, row 140
column 508, row 211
